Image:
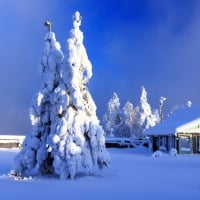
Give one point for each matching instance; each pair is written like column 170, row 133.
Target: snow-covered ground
column 132, row 175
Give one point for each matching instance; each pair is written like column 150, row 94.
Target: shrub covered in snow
column 173, row 152
column 157, row 154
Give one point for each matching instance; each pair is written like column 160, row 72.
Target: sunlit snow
column 133, row 174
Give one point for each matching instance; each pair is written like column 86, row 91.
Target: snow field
column 132, row 175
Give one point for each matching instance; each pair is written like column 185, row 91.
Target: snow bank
column 131, row 176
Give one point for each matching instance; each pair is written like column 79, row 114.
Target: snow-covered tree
column 130, row 119
column 43, row 112
column 146, row 118
column 66, row 132
column 113, row 118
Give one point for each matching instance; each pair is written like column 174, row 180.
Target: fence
column 125, row 142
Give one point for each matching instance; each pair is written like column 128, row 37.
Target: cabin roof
column 182, row 120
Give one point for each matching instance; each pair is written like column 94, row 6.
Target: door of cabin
column 196, row 143
column 155, row 144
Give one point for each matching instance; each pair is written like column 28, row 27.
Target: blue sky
column 131, row 43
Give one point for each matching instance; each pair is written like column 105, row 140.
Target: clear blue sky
column 131, row 43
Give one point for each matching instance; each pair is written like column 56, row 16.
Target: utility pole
column 161, row 103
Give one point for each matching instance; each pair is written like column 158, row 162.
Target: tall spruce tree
column 66, row 132
column 130, row 114
column 146, row 118
column 113, row 117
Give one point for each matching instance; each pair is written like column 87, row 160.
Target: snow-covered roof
column 183, row 120
column 12, row 137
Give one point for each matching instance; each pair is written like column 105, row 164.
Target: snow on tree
column 66, row 132
column 113, row 118
column 79, row 139
column 129, row 117
column 42, row 112
column 146, row 118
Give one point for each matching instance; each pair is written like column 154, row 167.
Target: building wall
column 185, row 144
column 196, row 142
column 11, row 141
column 163, row 142
column 10, row 145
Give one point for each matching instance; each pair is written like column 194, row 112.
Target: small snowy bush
column 173, row 152
column 157, row 154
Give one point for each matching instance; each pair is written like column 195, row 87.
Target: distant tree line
column 130, row 121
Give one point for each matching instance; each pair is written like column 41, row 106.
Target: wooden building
column 11, row 141
column 181, row 130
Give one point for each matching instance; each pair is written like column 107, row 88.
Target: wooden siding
column 185, row 144
column 11, row 141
